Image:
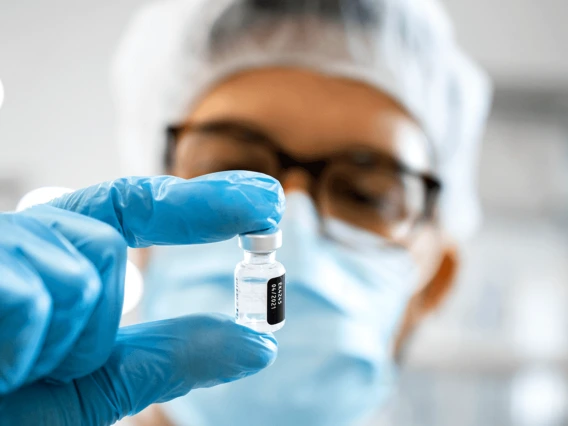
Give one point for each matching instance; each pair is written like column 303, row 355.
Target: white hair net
column 174, row 51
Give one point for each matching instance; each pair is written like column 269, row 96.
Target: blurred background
column 497, row 352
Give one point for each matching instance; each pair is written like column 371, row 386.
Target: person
column 62, row 269
column 371, row 117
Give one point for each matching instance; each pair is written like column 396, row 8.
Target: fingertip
column 226, row 351
column 269, row 337
column 240, row 202
column 270, row 352
column 271, row 192
column 258, row 350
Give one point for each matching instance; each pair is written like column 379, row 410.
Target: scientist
column 370, row 116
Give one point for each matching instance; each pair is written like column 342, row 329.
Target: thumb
column 152, row 362
column 159, row 361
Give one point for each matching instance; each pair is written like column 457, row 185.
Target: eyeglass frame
column 432, row 185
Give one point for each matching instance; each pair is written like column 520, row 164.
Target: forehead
column 310, row 114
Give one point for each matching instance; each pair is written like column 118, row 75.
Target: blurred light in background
column 538, row 398
column 133, row 288
column 538, row 317
column 41, row 196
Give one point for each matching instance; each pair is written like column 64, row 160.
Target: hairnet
column 174, row 51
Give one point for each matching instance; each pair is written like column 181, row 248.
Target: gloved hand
column 62, row 270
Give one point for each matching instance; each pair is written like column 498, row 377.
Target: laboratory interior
column 495, row 352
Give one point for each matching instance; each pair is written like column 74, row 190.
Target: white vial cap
column 261, row 241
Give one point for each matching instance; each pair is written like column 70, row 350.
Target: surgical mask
column 346, row 293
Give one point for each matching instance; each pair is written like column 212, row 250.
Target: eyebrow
column 251, row 132
column 239, row 129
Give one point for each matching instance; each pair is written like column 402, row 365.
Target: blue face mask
column 346, row 291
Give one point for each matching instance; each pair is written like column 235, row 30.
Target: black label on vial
column 276, row 290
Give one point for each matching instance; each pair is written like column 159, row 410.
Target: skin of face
column 312, row 115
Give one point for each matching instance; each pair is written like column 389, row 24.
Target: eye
column 203, row 154
column 345, row 189
column 381, row 197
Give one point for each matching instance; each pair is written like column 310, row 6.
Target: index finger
column 169, row 210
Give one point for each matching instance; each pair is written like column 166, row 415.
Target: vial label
column 276, row 294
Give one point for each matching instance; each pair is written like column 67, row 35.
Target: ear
column 428, row 298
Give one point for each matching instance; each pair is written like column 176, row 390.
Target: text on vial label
column 276, row 295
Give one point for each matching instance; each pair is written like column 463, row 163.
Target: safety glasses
column 363, row 187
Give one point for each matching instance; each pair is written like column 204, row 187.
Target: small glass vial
column 260, row 284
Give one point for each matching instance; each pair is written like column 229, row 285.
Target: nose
column 297, row 179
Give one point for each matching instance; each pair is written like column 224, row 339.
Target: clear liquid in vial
column 251, row 293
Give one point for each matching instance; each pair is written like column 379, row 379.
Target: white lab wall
column 496, row 353
column 56, row 124
column 521, row 42
column 511, row 302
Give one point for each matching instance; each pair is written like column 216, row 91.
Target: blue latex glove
column 62, row 269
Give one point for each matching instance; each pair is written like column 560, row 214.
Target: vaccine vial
column 260, row 282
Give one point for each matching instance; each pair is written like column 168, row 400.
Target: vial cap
column 261, row 241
